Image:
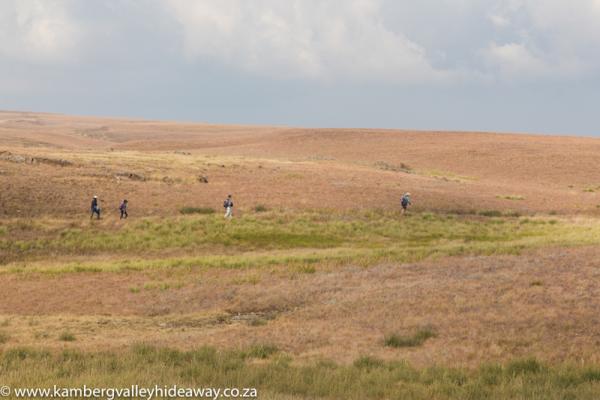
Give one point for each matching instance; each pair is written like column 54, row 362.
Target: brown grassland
column 318, row 288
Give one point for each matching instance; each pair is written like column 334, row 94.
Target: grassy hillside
column 278, row 238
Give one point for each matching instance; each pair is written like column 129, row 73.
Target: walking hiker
column 95, row 208
column 228, row 204
column 405, row 202
column 123, row 209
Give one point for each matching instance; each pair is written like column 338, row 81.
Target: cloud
column 315, row 39
column 514, row 59
column 323, row 41
column 550, row 39
column 37, row 31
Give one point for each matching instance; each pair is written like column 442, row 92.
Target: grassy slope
column 306, row 239
column 274, row 375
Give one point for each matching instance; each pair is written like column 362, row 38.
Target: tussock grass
column 196, row 210
column 490, row 213
column 276, row 376
column 260, row 208
column 261, row 351
column 416, row 339
column 66, row 337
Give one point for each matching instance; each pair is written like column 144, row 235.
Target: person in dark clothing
column 123, row 209
column 228, row 204
column 405, row 202
column 95, row 208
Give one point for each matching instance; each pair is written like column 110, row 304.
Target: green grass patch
column 416, row 339
column 282, row 239
column 196, row 210
column 261, row 351
column 275, row 375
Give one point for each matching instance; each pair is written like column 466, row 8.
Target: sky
column 484, row 65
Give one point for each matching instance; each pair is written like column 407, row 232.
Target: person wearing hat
column 228, row 204
column 405, row 202
column 95, row 208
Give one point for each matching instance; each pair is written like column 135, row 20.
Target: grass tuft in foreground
column 276, row 376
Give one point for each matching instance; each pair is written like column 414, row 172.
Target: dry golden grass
column 311, row 264
column 483, row 309
column 287, row 167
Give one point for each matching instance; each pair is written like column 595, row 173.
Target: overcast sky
column 495, row 65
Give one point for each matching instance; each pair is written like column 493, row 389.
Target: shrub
column 197, row 210
column 3, row 338
column 66, row 337
column 260, row 208
column 416, row 339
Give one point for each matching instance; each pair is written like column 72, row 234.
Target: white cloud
column 514, row 60
column 499, row 21
column 400, row 41
column 552, row 39
column 36, row 30
column 323, row 39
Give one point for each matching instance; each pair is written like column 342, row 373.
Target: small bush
column 536, row 283
column 416, row 339
column 3, row 338
column 66, row 337
column 197, row 210
column 260, row 208
column 490, row 213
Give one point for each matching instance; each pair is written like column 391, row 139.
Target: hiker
column 95, row 208
column 405, row 202
column 228, row 204
column 123, row 209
